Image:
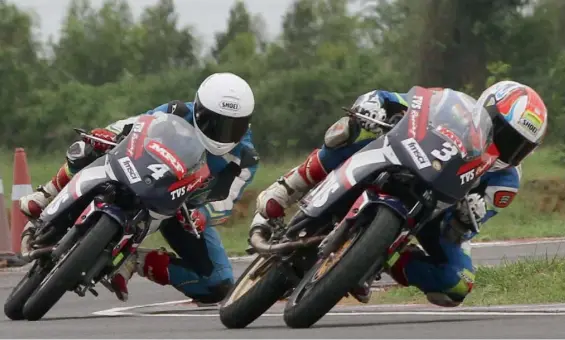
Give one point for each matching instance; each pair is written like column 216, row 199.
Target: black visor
column 217, row 127
column 513, row 147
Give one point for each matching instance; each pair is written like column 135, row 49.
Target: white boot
column 33, row 204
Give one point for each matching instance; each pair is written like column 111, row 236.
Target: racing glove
column 461, row 225
column 370, row 105
column 477, row 207
column 102, row 134
column 193, row 221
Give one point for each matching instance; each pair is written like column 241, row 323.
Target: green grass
column 534, row 213
column 527, row 281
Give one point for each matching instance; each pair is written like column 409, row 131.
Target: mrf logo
column 168, row 157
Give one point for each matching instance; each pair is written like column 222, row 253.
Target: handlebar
column 83, row 134
column 372, row 120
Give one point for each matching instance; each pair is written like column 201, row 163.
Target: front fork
column 132, row 236
column 419, row 212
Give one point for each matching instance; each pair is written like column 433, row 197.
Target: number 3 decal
column 449, row 150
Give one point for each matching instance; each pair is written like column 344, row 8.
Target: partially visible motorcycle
column 87, row 232
column 354, row 224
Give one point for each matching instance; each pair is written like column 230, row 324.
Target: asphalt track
column 160, row 312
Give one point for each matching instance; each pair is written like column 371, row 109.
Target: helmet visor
column 218, row 127
column 513, row 147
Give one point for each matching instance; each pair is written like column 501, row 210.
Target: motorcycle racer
column 441, row 266
column 221, row 113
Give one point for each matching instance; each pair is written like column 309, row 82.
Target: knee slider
column 455, row 295
column 445, row 299
column 79, row 155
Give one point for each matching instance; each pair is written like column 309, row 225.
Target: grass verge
column 528, row 281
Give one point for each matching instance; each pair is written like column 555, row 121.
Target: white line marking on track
column 490, row 244
column 516, row 243
column 110, row 312
column 536, row 311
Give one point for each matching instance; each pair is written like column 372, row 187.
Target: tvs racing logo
column 168, row 157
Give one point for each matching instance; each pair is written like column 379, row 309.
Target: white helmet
column 222, row 111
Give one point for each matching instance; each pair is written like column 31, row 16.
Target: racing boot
column 410, row 253
column 150, row 263
column 272, row 202
column 33, row 204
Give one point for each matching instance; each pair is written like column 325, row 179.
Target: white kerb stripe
column 20, row 190
column 1, row 187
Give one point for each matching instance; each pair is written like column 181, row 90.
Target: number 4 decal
column 159, row 170
column 449, row 150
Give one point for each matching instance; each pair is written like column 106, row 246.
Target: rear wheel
column 331, row 278
column 69, row 269
column 14, row 305
column 261, row 285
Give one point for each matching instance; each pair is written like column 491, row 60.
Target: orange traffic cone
column 21, row 187
column 5, row 245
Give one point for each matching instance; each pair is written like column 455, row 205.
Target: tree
column 97, row 47
column 315, row 31
column 162, row 46
column 21, row 70
column 240, row 21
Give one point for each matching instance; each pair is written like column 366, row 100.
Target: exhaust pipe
column 262, row 246
column 37, row 253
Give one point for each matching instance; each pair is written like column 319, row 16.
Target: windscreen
column 454, row 116
column 172, row 141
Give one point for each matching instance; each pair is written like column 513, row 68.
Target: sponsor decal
column 467, row 176
column 453, row 137
column 227, row 105
column 197, row 180
column 168, row 157
column 416, row 153
column 129, row 169
column 531, row 122
column 503, row 198
column 419, row 110
column 138, row 134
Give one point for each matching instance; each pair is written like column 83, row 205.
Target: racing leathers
column 202, row 270
column 441, row 266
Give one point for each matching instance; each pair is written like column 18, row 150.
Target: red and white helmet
column 519, row 119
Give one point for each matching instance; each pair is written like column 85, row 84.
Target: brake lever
column 186, row 215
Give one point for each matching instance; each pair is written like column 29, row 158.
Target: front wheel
column 261, row 285
column 68, row 270
column 331, row 278
column 14, row 305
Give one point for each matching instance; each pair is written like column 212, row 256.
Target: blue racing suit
column 447, row 267
column 203, row 271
